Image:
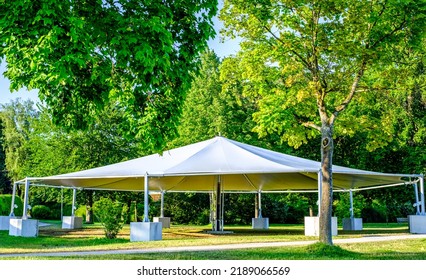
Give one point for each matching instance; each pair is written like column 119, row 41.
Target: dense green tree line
column 34, row 146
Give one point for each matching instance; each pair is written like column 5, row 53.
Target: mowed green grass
column 91, row 238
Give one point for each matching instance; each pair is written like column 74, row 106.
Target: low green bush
column 111, row 214
column 40, row 212
column 81, row 212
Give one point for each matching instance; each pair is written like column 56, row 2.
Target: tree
column 16, row 118
column 35, row 147
column 5, row 186
column 112, row 216
column 305, row 60
column 84, row 55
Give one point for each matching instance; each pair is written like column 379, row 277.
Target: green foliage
column 111, row 214
column 36, row 147
column 187, row 208
column 297, row 206
column 342, row 205
column 239, row 208
column 81, row 212
column 6, row 202
column 301, row 59
column 81, row 56
column 5, row 185
column 306, row 62
column 41, row 212
column 16, row 119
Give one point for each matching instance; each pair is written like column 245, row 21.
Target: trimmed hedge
column 5, row 203
column 41, row 212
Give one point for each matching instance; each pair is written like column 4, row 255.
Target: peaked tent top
column 199, row 166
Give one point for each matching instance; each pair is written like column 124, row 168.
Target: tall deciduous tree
column 85, row 54
column 210, row 111
column 16, row 118
column 4, row 180
column 306, row 61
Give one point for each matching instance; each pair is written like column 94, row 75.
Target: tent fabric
column 198, row 167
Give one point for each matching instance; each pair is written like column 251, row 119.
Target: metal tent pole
column 260, row 204
column 146, row 199
column 162, row 205
column 27, row 190
column 319, row 191
column 62, row 204
column 218, row 206
column 74, row 198
column 12, row 206
column 416, row 193
column 351, row 202
column 422, row 194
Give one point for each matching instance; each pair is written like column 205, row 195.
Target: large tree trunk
column 325, row 233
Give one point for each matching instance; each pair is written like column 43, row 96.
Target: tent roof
column 198, row 167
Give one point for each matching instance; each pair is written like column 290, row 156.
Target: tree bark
column 327, row 146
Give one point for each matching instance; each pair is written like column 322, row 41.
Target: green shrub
column 81, row 212
column 40, row 212
column 5, row 203
column 111, row 214
column 341, row 205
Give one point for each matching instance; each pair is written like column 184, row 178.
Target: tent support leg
column 162, row 205
column 256, row 205
column 319, row 191
column 218, row 221
column 416, row 194
column 146, row 199
column 12, row 206
column 74, row 198
column 27, row 190
column 260, row 204
column 422, row 194
column 351, row 202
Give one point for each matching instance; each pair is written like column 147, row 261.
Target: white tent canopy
column 239, row 167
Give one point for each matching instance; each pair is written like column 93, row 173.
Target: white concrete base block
column 352, row 223
column 417, row 223
column 72, row 222
column 4, row 222
column 165, row 221
column 260, row 223
column 145, row 231
column 312, row 226
column 25, row 228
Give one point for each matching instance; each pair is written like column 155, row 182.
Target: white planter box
column 312, row 226
column 4, row 222
column 145, row 231
column 352, row 223
column 72, row 222
column 417, row 223
column 260, row 223
column 25, row 228
column 165, row 221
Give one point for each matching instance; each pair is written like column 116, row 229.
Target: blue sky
column 226, row 48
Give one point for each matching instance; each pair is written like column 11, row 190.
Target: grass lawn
column 91, row 238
